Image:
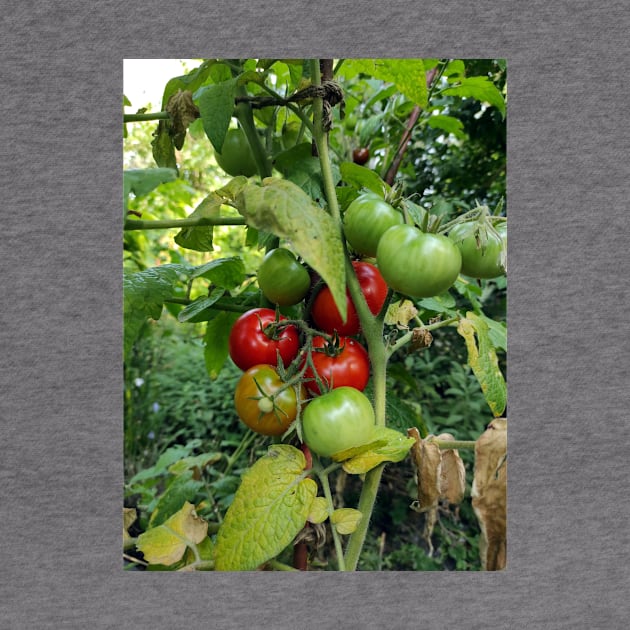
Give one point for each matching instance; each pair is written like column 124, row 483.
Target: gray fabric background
column 60, row 337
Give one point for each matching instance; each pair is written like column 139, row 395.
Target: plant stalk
column 164, row 224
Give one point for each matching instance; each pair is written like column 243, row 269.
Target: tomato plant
column 253, row 339
column 310, row 196
column 325, row 313
column 338, row 420
column 340, row 363
column 365, row 221
column 417, row 264
column 264, row 403
column 482, row 251
column 236, row 156
column 282, row 279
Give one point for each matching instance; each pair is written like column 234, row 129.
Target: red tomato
column 345, row 363
column 252, row 343
column 325, row 313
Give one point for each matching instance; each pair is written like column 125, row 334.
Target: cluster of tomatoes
column 333, row 366
column 328, row 367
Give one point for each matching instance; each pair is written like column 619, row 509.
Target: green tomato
column 365, row 221
column 417, row 264
column 483, row 259
column 282, row 279
column 340, row 419
column 236, row 156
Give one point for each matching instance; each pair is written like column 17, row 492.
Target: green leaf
column 482, row 358
column 298, row 165
column 480, row 88
column 141, row 181
column 408, row 75
column 181, row 489
column 199, row 238
column 216, row 105
column 196, row 463
column 216, row 342
column 450, row 124
column 270, row 507
column 167, row 543
column 284, row 209
column 361, row 177
column 228, row 273
column 199, row 305
column 393, row 448
column 443, row 303
column 144, row 293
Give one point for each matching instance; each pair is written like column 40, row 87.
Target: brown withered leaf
column 421, row 338
column 183, row 112
column 489, row 494
column 427, row 460
column 452, row 474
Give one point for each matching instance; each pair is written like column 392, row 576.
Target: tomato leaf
column 199, row 238
column 216, row 342
column 270, row 507
column 167, row 543
column 199, row 305
column 450, row 124
column 393, row 447
column 345, row 520
column 227, row 273
column 196, row 463
column 319, row 510
column 361, row 177
column 300, row 167
column 181, row 489
column 284, row 209
column 408, row 75
column 482, row 358
column 144, row 293
column 141, row 181
column 216, row 105
column 480, row 88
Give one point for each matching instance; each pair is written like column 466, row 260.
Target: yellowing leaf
column 400, row 313
column 489, row 494
column 167, row 543
column 270, row 507
column 391, row 446
column 129, row 516
column 482, row 358
column 345, row 520
column 319, row 511
column 284, row 209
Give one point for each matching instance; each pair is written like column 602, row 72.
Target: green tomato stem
column 165, row 224
column 366, row 507
column 323, row 478
column 127, row 118
column 406, row 338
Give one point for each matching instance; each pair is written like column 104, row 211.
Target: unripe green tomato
column 341, row 419
column 236, row 156
column 365, row 221
column 282, row 279
column 417, row 264
column 480, row 262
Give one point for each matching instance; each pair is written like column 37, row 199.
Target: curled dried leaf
column 421, row 338
column 452, row 474
column 489, row 494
